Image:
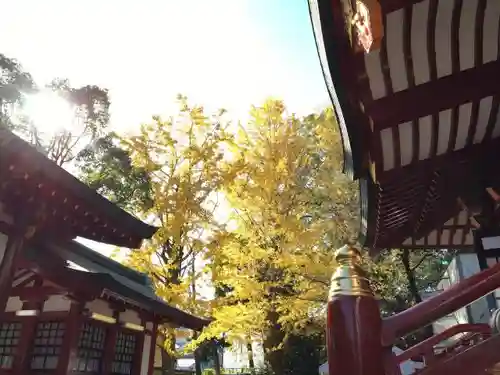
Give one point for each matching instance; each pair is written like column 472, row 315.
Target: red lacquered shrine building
column 67, row 309
column 415, row 86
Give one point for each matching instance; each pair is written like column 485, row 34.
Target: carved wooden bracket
column 366, row 19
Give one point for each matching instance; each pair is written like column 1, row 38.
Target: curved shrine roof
column 102, row 277
column 30, row 179
column 418, row 111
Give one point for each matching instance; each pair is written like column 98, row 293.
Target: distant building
column 461, row 267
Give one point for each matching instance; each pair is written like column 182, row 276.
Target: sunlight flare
column 49, row 112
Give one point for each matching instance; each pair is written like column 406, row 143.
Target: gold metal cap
column 349, row 277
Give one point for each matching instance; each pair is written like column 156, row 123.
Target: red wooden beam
column 442, row 304
column 473, row 360
column 139, row 350
column 22, row 360
column 35, row 292
column 392, row 5
column 435, row 96
column 15, row 243
column 152, row 349
column 26, row 281
column 68, row 355
column 109, row 346
column 428, row 344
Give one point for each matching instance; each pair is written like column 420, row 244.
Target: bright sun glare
column 49, row 112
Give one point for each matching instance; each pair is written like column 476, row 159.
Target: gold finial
column 349, row 278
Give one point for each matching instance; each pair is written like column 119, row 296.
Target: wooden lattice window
column 9, row 340
column 124, row 353
column 47, row 345
column 91, row 348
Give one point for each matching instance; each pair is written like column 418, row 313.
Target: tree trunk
column 216, row 360
column 197, row 364
column 251, row 363
column 410, row 276
column 274, row 357
column 167, row 363
column 427, row 331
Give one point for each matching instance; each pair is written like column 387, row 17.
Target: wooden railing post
column 354, row 324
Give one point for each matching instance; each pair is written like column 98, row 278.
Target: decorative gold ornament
column 367, row 23
column 349, row 278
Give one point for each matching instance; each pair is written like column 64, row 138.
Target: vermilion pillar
column 28, row 331
column 152, row 350
column 354, row 323
column 109, row 346
column 74, row 322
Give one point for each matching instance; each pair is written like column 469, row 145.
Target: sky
column 220, row 53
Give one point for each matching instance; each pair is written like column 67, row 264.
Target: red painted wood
column 139, row 349
column 14, row 245
column 49, row 315
column 30, row 293
column 424, row 346
column 109, row 350
column 353, row 336
column 392, row 5
column 74, row 322
column 435, row 96
column 28, row 330
column 442, row 304
column 25, row 282
column 473, row 360
column 152, row 350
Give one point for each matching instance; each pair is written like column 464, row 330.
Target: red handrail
column 442, row 304
column 425, row 346
column 472, row 360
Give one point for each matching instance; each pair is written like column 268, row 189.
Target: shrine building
column 66, row 308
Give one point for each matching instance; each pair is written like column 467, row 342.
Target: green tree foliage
column 107, row 168
column 14, row 82
column 401, row 278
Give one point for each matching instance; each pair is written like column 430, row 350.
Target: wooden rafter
column 393, row 5
column 24, row 282
column 467, row 86
column 30, row 293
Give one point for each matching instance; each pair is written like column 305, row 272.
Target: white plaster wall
column 99, row 306
column 146, row 350
column 57, row 303
column 145, row 354
column 13, row 304
column 130, row 316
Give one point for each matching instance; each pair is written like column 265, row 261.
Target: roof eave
column 23, row 152
column 329, row 53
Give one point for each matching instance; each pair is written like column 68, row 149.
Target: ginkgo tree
column 169, row 174
column 291, row 209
